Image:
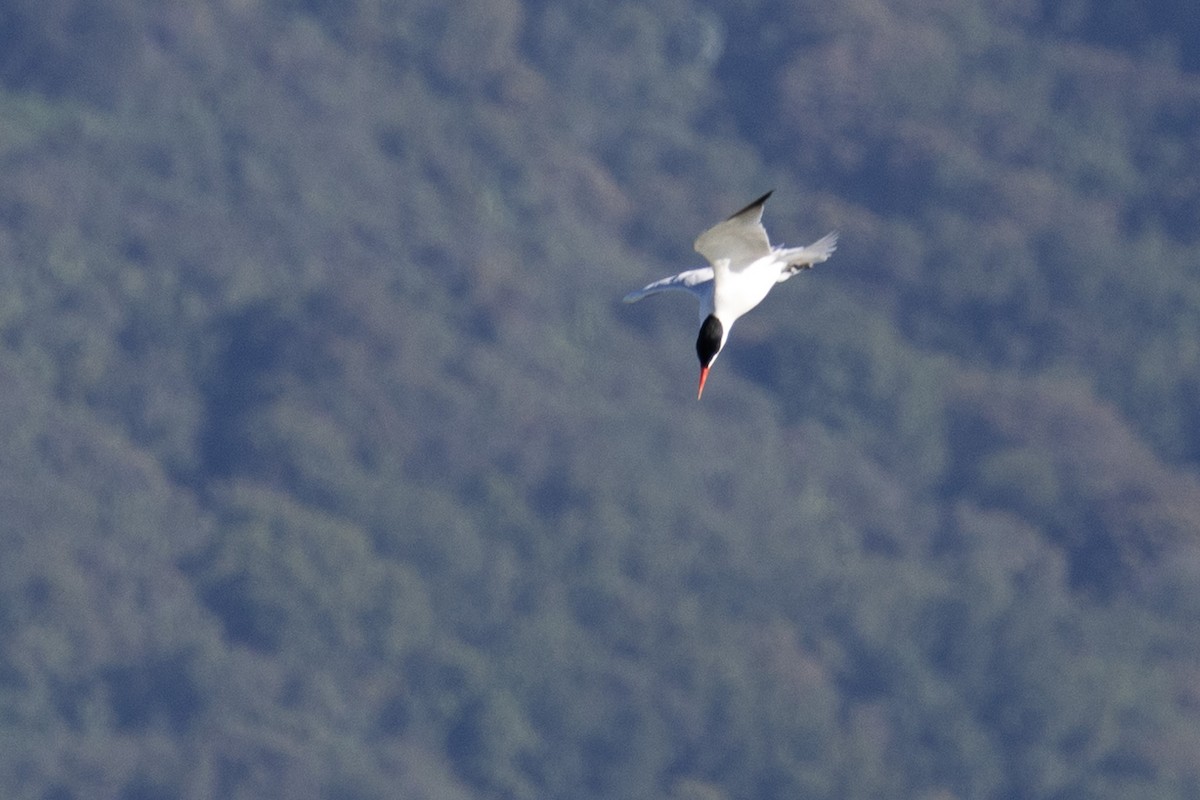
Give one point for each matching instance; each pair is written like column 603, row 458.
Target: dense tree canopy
column 334, row 468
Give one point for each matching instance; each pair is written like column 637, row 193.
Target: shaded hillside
column 334, row 468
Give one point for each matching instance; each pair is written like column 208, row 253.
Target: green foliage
column 331, row 467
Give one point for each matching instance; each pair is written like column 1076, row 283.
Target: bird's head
column 708, row 346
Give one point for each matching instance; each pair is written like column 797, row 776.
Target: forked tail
column 815, row 253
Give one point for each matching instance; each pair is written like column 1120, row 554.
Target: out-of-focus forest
column 334, row 468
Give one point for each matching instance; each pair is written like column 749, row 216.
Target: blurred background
column 333, row 466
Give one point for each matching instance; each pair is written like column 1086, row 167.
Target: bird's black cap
column 708, row 343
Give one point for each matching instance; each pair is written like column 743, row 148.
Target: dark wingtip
column 753, row 205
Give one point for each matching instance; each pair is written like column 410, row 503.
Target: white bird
column 744, row 269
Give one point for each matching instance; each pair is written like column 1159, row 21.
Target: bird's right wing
column 739, row 240
column 693, row 280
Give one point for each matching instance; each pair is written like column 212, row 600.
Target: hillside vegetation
column 334, row 468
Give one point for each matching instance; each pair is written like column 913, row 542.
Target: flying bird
column 744, row 268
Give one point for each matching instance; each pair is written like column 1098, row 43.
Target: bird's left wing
column 739, row 240
column 693, row 280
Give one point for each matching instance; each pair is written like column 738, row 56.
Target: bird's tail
column 815, row 253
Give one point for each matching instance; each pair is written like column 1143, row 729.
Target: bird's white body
column 744, row 267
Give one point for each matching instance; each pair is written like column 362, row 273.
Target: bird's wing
column 739, row 240
column 693, row 280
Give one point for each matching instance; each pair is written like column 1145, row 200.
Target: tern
column 744, row 267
